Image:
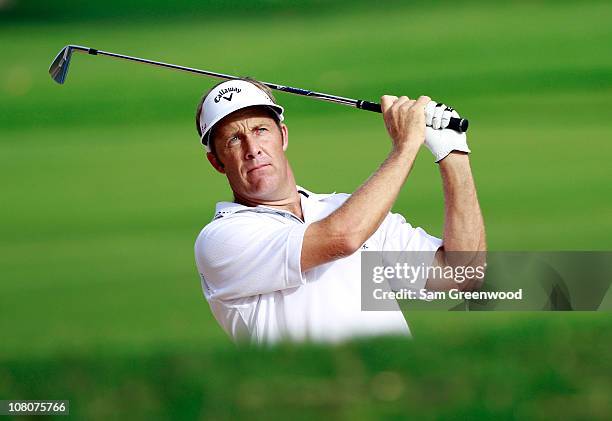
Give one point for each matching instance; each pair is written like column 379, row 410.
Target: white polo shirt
column 249, row 264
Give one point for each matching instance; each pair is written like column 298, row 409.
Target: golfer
column 281, row 263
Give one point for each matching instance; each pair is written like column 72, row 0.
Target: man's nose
column 252, row 148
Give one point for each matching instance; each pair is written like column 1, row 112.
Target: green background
column 105, row 187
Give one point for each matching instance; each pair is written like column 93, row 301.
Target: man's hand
column 438, row 139
column 405, row 120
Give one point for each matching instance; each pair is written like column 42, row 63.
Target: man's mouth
column 257, row 168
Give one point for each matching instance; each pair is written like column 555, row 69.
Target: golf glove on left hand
column 438, row 139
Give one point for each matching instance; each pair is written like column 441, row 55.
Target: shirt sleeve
column 399, row 235
column 240, row 257
column 403, row 243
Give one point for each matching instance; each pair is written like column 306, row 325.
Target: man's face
column 250, row 150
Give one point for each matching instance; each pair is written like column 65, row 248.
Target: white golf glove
column 438, row 139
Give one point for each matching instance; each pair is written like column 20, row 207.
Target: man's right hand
column 405, row 120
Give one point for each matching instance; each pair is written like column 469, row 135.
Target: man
column 282, row 263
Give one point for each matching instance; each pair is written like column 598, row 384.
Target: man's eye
column 262, row 129
column 233, row 140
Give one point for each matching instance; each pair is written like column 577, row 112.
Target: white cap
column 228, row 97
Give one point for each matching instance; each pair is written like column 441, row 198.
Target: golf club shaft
column 457, row 124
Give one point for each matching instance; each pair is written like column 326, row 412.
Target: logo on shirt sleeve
column 207, row 289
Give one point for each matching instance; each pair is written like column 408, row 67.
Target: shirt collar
column 227, row 208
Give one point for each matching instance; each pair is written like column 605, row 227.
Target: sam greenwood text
column 453, row 294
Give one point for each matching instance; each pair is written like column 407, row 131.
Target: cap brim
column 205, row 138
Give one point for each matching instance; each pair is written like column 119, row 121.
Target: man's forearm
column 348, row 227
column 463, row 223
column 361, row 215
column 464, row 233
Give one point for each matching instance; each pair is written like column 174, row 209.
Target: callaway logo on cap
column 222, row 93
column 228, row 97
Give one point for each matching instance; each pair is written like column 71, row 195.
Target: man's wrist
column 405, row 151
column 455, row 159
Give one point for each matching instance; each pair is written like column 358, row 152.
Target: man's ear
column 215, row 162
column 285, row 133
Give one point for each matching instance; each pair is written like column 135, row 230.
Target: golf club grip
column 457, row 124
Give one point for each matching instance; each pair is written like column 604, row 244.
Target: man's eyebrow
column 227, row 133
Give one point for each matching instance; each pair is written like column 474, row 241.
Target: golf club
column 59, row 70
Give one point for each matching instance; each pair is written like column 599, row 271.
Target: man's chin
column 261, row 189
column 264, row 189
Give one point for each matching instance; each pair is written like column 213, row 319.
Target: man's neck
column 290, row 202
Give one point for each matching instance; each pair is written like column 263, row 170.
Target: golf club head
column 59, row 67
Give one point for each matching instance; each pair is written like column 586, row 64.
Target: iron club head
column 59, row 67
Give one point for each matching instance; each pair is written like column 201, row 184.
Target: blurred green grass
column 105, row 186
column 533, row 369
